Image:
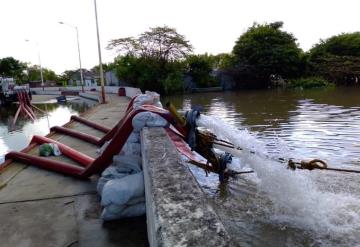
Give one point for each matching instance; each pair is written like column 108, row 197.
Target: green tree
column 345, row 44
column 150, row 74
column 223, row 61
column 265, row 51
column 337, row 58
column 10, row 67
column 35, row 75
column 162, row 43
column 200, row 68
column 153, row 61
column 106, row 67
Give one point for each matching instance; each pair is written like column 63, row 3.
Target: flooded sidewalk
column 43, row 208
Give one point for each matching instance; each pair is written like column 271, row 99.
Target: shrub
column 310, row 82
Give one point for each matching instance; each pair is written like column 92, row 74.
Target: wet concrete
column 43, row 208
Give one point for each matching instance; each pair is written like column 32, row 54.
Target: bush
column 310, row 82
column 266, row 50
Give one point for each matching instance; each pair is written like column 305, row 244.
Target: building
column 112, row 80
column 90, row 78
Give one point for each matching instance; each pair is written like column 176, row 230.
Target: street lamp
column 39, row 57
column 78, row 46
column 100, row 62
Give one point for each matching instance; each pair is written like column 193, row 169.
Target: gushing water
column 297, row 199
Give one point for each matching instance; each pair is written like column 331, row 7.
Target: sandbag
column 149, row 98
column 113, row 211
column 120, row 191
column 134, row 137
column 156, row 98
column 131, row 149
column 122, row 166
column 127, row 163
column 148, row 119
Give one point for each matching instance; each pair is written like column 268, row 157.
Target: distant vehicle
column 8, row 90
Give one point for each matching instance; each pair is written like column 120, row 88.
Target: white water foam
column 296, row 199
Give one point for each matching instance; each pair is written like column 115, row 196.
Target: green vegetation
column 264, row 51
column 199, row 67
column 33, row 74
column 23, row 72
column 309, row 82
column 337, row 59
column 154, row 60
column 10, row 67
column 162, row 60
column 264, row 56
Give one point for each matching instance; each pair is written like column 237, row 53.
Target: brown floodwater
column 276, row 206
column 16, row 137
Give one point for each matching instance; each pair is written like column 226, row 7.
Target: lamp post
column 100, row 62
column 39, row 57
column 78, row 46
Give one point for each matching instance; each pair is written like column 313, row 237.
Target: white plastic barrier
column 120, row 191
column 148, row 119
column 121, row 185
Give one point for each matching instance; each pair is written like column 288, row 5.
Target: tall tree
column 153, row 60
column 35, row 75
column 200, row 68
column 11, row 67
column 163, row 43
column 345, row 44
column 264, row 51
column 337, row 58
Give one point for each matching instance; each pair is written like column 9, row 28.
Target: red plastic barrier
column 48, row 164
column 83, row 159
column 90, row 124
column 80, row 135
column 99, row 164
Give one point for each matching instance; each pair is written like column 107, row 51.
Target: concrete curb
column 94, row 97
column 177, row 211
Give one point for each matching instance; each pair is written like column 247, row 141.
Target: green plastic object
column 48, row 149
column 45, row 150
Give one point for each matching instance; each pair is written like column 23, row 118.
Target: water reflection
column 277, row 208
column 18, row 137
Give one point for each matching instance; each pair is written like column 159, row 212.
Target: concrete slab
column 38, row 223
column 43, row 208
column 177, row 211
column 94, row 232
column 34, row 184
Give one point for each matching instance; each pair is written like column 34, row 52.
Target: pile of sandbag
column 121, row 185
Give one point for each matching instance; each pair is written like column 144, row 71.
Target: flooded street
column 276, row 206
column 19, row 137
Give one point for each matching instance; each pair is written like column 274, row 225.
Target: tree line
column 162, row 60
column 264, row 56
column 24, row 72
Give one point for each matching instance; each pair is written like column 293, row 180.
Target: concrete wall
column 130, row 91
column 177, row 211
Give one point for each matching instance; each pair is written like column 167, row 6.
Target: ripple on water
column 275, row 207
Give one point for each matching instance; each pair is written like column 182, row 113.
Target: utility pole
column 100, row 62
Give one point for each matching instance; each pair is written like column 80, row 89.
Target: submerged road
column 42, row 208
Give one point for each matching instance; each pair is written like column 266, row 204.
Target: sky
column 211, row 26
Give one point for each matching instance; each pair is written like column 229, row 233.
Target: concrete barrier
column 130, row 91
column 177, row 211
